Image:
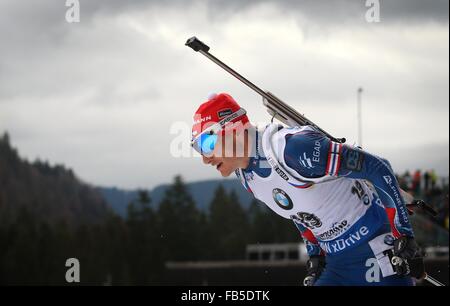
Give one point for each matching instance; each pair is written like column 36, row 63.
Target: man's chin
column 225, row 173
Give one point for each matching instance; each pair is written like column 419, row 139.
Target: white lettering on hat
column 202, row 119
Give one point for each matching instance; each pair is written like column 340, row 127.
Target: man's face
column 228, row 154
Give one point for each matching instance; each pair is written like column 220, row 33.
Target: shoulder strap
column 240, row 174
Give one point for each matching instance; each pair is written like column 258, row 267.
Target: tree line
column 134, row 250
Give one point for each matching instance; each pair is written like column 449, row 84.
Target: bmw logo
column 282, row 199
column 389, row 240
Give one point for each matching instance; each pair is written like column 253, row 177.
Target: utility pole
column 359, row 114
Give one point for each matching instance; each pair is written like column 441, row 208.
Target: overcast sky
column 101, row 95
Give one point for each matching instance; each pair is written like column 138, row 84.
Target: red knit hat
column 217, row 109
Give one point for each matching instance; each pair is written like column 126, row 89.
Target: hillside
column 49, row 193
column 202, row 192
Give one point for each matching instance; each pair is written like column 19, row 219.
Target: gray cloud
column 349, row 10
column 318, row 10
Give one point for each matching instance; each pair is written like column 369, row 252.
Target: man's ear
column 241, row 131
column 241, row 135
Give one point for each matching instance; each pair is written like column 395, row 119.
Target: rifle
column 275, row 106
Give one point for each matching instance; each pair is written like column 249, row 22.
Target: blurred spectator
column 424, row 185
column 416, row 182
column 433, row 178
column 405, row 181
column 444, row 182
column 426, row 180
column 442, row 217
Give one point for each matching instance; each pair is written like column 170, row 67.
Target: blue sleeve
column 306, row 152
column 312, row 246
column 312, row 155
column 357, row 164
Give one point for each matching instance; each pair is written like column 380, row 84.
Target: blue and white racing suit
column 345, row 202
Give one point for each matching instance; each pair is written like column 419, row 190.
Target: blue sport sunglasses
column 205, row 143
